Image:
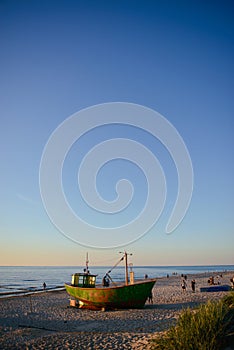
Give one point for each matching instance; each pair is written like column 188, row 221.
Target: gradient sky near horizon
column 175, row 57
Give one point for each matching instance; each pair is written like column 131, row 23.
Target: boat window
column 83, row 280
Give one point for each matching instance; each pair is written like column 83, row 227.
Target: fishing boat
column 110, row 295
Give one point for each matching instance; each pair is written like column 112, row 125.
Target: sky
column 60, row 57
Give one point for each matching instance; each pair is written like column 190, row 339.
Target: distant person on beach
column 146, row 276
column 150, row 298
column 183, row 285
column 44, row 285
column 211, row 281
column 193, row 282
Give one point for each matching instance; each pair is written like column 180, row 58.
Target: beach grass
column 229, row 299
column 205, row 328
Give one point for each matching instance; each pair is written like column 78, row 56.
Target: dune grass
column 205, row 328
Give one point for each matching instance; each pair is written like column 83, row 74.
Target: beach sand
column 46, row 321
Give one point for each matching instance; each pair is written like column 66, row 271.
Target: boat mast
column 87, row 262
column 126, row 266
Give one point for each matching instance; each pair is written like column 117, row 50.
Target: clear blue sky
column 175, row 57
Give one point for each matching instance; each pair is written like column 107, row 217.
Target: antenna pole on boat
column 87, row 262
column 126, row 268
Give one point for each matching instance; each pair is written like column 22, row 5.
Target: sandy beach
column 46, row 321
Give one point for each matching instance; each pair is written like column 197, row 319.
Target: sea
column 17, row 279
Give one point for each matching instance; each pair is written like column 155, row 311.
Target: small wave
column 30, row 280
column 12, row 285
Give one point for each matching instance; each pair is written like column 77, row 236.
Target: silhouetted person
column 183, row 285
column 193, row 285
column 105, row 281
column 44, row 285
column 150, row 298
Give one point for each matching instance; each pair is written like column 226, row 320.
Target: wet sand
column 46, row 321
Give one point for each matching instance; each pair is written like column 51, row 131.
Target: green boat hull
column 118, row 297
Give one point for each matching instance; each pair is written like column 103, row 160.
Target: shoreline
column 17, row 292
column 27, row 292
column 44, row 320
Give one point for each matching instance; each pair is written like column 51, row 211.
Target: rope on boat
column 108, row 272
column 115, row 265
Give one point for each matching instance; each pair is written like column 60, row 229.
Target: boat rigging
column 83, row 289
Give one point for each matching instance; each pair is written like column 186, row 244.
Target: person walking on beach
column 193, row 282
column 150, row 297
column 44, row 285
column 183, row 285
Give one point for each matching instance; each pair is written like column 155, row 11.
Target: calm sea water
column 15, row 278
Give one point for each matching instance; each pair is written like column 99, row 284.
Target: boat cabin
column 83, row 280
